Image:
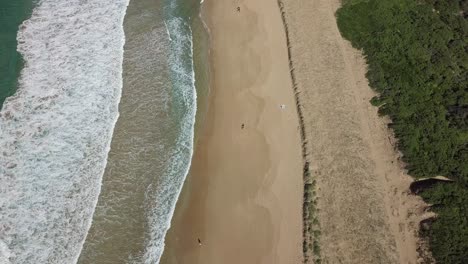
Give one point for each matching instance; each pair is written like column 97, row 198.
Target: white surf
column 56, row 131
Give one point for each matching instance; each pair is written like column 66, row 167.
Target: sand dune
column 366, row 215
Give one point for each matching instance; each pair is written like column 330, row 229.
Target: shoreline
column 348, row 153
column 152, row 143
column 262, row 198
column 201, row 59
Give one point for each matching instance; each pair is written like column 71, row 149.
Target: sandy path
column 365, row 214
column 243, row 197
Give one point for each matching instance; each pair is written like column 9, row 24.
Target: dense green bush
column 449, row 232
column 418, row 58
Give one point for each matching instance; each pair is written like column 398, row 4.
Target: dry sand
column 243, row 196
column 366, row 215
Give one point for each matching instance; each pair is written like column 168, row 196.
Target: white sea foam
column 167, row 31
column 168, row 188
column 55, row 132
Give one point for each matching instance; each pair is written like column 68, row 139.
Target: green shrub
column 417, row 54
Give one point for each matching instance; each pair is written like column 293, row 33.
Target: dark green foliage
column 417, row 53
column 449, row 232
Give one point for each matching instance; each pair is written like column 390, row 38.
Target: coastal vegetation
column 311, row 229
column 417, row 54
column 311, row 243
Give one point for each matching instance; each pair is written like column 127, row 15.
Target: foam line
column 55, row 133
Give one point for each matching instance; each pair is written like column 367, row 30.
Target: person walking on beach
column 199, row 242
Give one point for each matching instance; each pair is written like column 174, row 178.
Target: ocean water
column 152, row 143
column 12, row 14
column 55, row 132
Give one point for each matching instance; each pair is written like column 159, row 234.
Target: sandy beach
column 243, row 196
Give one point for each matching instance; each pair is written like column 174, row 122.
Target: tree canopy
column 417, row 54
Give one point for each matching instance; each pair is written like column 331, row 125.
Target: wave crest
column 55, row 132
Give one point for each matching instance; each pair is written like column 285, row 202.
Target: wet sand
column 243, row 196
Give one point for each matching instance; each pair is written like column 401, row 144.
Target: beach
column 262, row 124
column 243, row 195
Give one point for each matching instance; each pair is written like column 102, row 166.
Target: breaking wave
column 55, row 133
column 162, row 197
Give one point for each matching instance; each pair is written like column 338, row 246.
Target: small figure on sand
column 238, row 9
column 282, row 106
column 242, row 126
column 199, row 242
